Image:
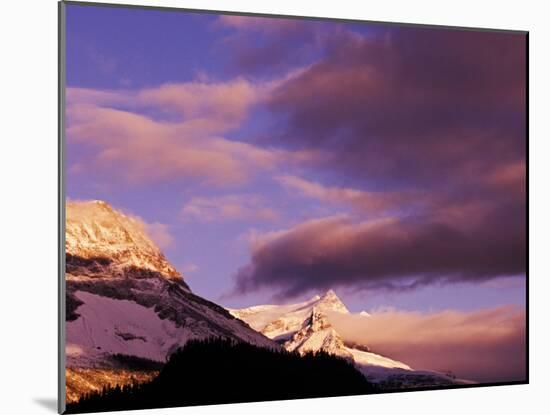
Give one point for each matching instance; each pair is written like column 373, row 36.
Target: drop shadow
column 48, row 403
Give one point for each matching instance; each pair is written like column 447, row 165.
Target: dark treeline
column 123, row 361
column 221, row 371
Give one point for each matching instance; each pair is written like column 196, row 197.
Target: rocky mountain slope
column 306, row 326
column 124, row 297
column 95, row 230
column 86, row 380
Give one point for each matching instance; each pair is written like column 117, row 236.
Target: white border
column 28, row 167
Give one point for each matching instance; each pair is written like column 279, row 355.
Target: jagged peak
column 330, row 301
column 317, row 334
column 330, row 294
column 318, row 320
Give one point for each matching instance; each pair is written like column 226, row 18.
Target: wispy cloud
column 363, row 201
column 228, row 207
column 268, row 45
column 158, row 232
column 172, row 131
column 189, row 268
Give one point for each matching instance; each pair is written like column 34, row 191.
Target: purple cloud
column 433, row 120
column 263, row 45
column 411, row 105
column 391, row 253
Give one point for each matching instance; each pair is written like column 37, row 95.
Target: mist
column 486, row 345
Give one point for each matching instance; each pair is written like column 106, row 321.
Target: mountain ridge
column 305, row 327
column 123, row 297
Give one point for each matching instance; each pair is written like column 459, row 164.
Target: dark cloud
column 410, row 105
column 433, row 111
column 396, row 254
column 267, row 46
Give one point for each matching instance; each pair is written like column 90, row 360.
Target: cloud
column 158, row 232
column 172, row 131
column 189, row 268
column 509, row 177
column 432, row 123
column 183, row 140
column 270, row 45
column 363, row 201
column 484, row 345
column 413, row 106
column 225, row 102
column 228, row 103
column 388, row 253
column 261, row 24
column 228, row 207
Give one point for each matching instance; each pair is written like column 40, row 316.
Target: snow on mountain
column 280, row 322
column 317, row 334
column 124, row 297
column 108, row 326
column 306, row 327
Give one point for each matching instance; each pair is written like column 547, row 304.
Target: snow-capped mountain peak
column 317, row 334
column 330, row 301
column 306, row 327
column 96, row 231
column 124, row 297
column 281, row 322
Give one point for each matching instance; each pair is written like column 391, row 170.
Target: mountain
column 125, row 302
column 306, row 327
column 94, row 230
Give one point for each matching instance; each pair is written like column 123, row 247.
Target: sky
column 275, row 159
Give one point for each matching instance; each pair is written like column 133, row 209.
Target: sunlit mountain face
column 128, row 309
column 292, row 187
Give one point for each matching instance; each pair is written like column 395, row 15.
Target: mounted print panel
column 260, row 208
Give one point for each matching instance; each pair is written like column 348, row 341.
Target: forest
column 217, row 371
